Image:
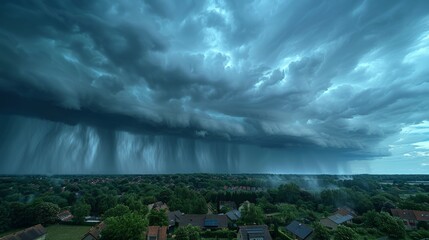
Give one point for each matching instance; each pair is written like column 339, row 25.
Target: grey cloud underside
column 328, row 78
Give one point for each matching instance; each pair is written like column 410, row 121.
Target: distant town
column 214, row 206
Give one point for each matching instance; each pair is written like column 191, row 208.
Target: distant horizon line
column 154, row 174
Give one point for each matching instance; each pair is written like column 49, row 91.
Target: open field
column 66, row 232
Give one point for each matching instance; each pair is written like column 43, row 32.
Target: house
column 95, row 232
column 65, row 216
column 299, row 230
column 254, row 232
column 204, row 221
column 346, row 211
column 37, row 232
column 173, row 219
column 233, row 215
column 158, row 206
column 411, row 217
column 92, row 219
column 333, row 221
column 341, row 216
column 156, row 233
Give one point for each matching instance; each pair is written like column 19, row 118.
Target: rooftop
column 233, row 215
column 411, row 215
column 204, row 220
column 156, row 231
column 299, row 229
column 31, row 233
column 254, row 232
column 339, row 219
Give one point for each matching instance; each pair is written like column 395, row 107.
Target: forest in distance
column 128, row 204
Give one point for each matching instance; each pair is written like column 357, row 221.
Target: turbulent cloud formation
column 213, row 86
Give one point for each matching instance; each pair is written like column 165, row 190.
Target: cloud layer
column 291, row 76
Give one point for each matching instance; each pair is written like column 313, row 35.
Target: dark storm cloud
column 322, row 76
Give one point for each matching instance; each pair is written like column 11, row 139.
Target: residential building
column 95, row 232
column 341, row 216
column 300, row 230
column 254, row 232
column 346, row 211
column 158, row 206
column 204, row 221
column 174, row 218
column 233, row 215
column 333, row 221
column 37, row 232
column 411, row 217
column 65, row 216
column 156, row 233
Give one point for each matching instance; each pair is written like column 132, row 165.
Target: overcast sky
column 214, row 86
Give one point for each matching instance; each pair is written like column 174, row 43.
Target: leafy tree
column 117, row 211
column 420, row 234
column 105, row 202
column 165, row 195
column 188, row 233
column 61, row 202
column 158, row 218
column 187, row 201
column 134, row 203
column 17, row 214
column 44, row 212
column 289, row 193
column 126, row 227
column 80, row 210
column 344, row 233
column 423, row 225
column 321, row 232
column 251, row 214
column 288, row 213
column 387, row 224
column 266, row 205
column 4, row 217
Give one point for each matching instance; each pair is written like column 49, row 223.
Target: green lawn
column 66, row 232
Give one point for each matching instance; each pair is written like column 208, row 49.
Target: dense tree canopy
column 157, row 218
column 188, row 233
column 126, row 227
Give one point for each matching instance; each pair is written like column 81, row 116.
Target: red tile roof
column 403, row 214
column 159, row 232
column 421, row 216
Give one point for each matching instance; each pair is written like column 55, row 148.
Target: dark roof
column 204, row 221
column 233, row 215
column 95, row 231
column 299, row 229
column 27, row 234
column 174, row 217
column 156, row 231
column 254, row 231
column 403, row 214
column 338, row 218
